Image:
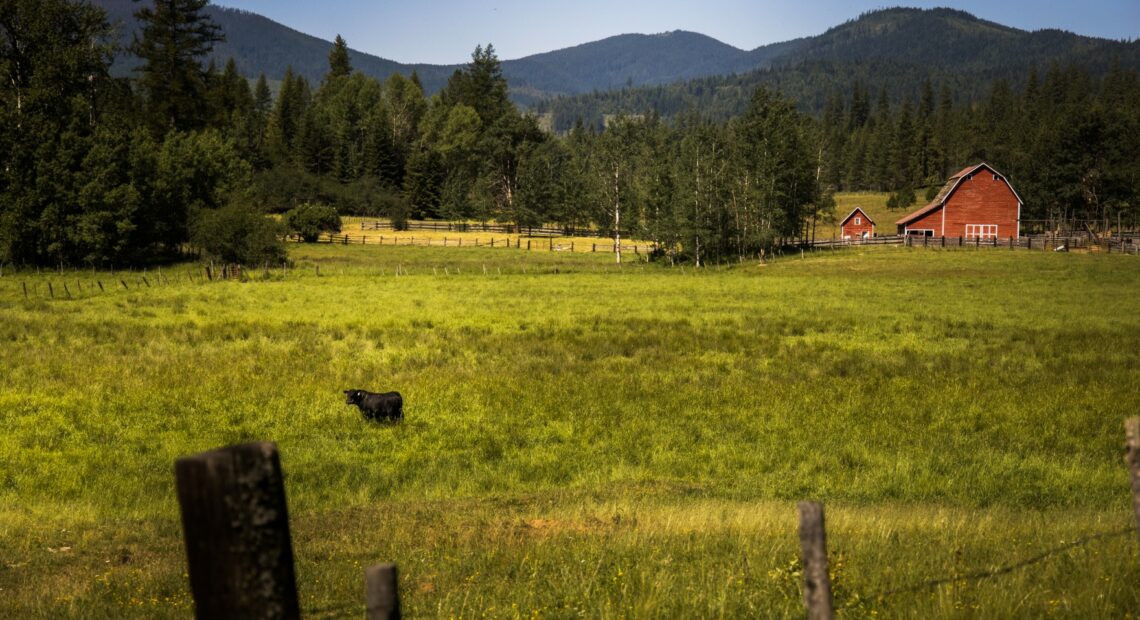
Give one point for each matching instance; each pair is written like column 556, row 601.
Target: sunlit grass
column 584, row 439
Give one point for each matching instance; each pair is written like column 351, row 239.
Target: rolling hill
column 893, row 49
column 260, row 45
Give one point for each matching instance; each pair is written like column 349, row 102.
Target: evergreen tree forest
column 188, row 157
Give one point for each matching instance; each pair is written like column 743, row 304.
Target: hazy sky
column 447, row 31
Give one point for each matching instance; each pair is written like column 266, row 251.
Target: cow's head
column 353, row 397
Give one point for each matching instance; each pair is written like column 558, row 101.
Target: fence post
column 813, row 556
column 382, row 592
column 25, row 284
column 236, row 528
column 1132, row 434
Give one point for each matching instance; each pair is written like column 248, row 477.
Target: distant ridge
column 260, row 45
column 898, row 46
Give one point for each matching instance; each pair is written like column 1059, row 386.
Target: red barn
column 978, row 202
column 857, row 225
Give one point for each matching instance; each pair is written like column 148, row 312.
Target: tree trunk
column 617, row 217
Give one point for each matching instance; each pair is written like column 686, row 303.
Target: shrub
column 237, row 234
column 310, row 220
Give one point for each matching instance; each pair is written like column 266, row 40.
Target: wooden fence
column 1123, row 245
column 235, row 527
column 550, row 244
column 467, row 227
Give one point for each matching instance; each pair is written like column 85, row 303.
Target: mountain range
column 907, row 42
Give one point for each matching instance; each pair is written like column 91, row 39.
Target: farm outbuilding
column 857, row 225
column 978, row 202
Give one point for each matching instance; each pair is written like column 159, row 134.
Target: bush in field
column 237, row 234
column 310, row 220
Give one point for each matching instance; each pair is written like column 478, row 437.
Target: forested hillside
column 895, row 50
column 261, row 46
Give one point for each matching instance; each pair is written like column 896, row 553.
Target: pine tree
column 53, row 66
column 175, row 36
column 339, row 64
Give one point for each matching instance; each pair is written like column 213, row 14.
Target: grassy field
column 588, row 441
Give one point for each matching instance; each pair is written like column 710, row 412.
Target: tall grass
column 583, row 439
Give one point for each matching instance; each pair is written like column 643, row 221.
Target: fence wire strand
column 982, row 575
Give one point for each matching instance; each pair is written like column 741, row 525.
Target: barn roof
column 853, row 212
column 948, row 188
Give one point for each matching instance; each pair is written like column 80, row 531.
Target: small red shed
column 857, row 225
column 978, row 202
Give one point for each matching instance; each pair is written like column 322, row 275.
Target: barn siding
column 931, row 221
column 982, row 200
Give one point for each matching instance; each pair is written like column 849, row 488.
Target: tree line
column 104, row 170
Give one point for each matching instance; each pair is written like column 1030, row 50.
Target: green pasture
column 584, row 440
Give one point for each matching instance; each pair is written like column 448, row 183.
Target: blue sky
column 447, row 31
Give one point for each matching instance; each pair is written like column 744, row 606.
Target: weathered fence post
column 236, row 528
column 382, row 592
column 1132, row 434
column 25, row 285
column 813, row 556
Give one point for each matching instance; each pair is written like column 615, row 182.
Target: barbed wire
column 982, row 575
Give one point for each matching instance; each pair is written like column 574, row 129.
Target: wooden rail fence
column 235, row 527
column 1124, row 245
column 550, row 244
column 530, row 231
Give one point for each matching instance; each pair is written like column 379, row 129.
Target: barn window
column 858, row 220
column 981, row 231
column 996, row 177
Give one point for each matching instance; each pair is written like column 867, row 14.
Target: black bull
column 386, row 406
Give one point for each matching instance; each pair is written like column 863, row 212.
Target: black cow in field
column 386, row 406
